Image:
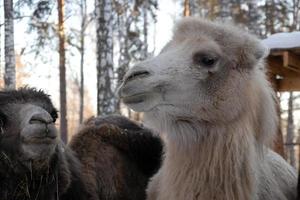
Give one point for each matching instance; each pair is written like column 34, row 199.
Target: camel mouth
column 46, row 140
column 134, row 99
column 39, row 134
column 136, row 75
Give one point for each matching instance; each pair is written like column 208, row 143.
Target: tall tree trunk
column 270, row 15
column 193, row 7
column 253, row 17
column 1, row 86
column 224, row 12
column 295, row 13
column 290, row 131
column 62, row 72
column 145, row 29
column 82, row 49
column 124, row 58
column 9, row 51
column 106, row 103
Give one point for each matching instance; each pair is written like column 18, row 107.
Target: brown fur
column 33, row 166
column 111, row 167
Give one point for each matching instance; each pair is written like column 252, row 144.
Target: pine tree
column 62, row 72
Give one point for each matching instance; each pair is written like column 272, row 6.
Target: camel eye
column 204, row 60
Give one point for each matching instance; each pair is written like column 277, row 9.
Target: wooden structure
column 284, row 73
column 284, row 69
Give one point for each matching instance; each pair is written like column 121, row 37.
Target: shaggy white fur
column 207, row 93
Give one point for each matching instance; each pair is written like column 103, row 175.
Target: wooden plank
column 276, row 52
column 291, row 61
column 288, row 84
column 275, row 66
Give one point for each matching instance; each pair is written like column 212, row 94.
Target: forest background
column 78, row 50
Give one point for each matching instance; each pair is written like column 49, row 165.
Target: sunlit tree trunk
column 62, row 72
column 82, row 51
column 9, row 51
column 187, row 8
column 106, row 102
column 290, row 131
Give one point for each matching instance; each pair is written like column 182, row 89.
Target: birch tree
column 145, row 9
column 9, row 52
column 290, row 131
column 123, row 23
column 131, row 20
column 106, row 103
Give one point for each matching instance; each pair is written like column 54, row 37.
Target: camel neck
column 223, row 156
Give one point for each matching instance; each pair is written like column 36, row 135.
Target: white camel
column 207, row 93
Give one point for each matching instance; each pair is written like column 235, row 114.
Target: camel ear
column 251, row 53
column 261, row 51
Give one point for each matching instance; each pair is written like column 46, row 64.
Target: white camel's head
column 208, row 70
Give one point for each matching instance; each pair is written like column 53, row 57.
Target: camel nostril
column 137, row 74
column 41, row 118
